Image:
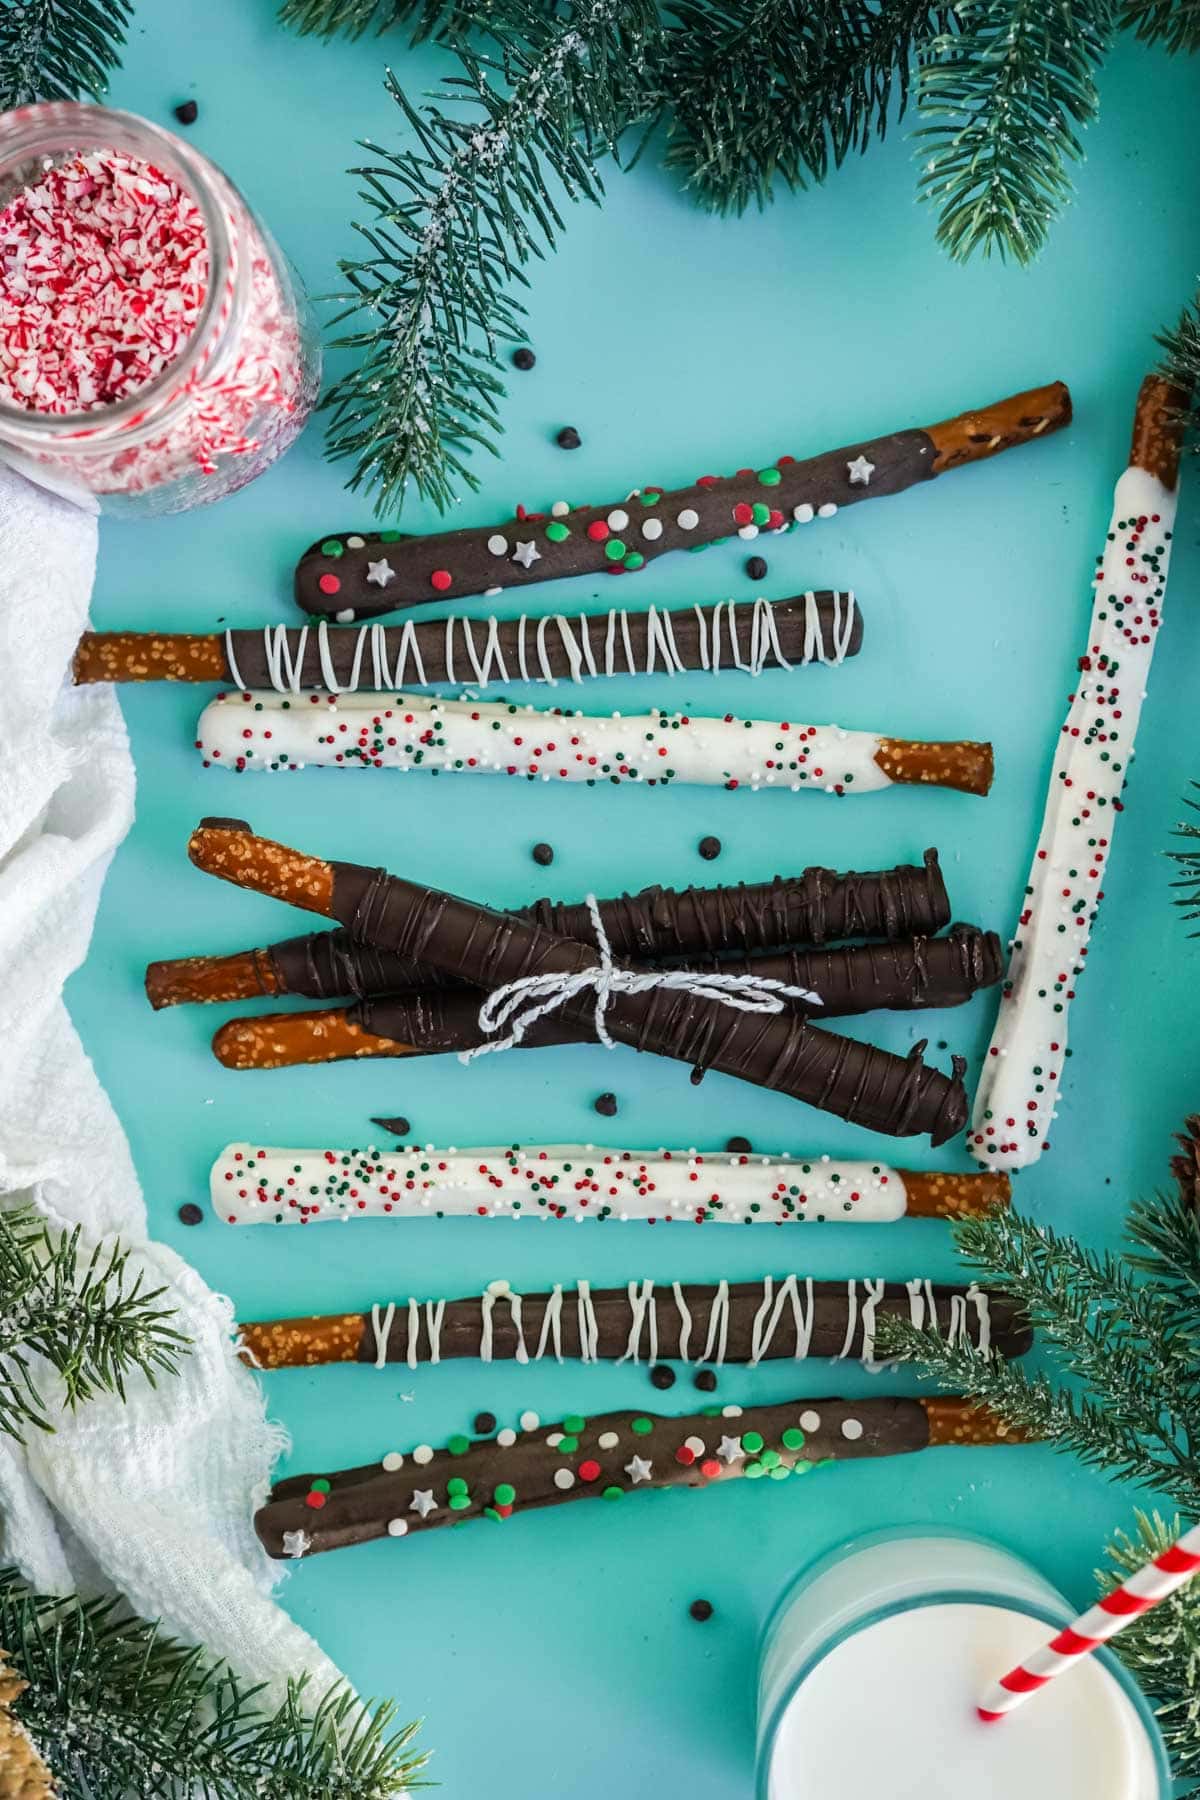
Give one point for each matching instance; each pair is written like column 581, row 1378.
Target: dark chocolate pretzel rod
column 851, row 979
column 817, row 907
column 358, row 575
column 608, row 1457
column 731, row 1322
column 751, row 635
column 900, row 1096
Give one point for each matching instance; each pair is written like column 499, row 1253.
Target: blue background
column 558, row 1653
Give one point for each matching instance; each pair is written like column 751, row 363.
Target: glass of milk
column 876, row 1657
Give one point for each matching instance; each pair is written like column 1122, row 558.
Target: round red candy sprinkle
column 329, row 584
column 597, row 530
column 316, row 1501
column 440, row 579
column 589, row 1470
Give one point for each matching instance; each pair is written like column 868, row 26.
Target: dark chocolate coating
column 817, row 907
column 900, row 1096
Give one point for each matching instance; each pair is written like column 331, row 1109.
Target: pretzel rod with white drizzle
column 749, row 635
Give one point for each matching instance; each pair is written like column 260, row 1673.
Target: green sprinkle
column 634, row 560
column 770, row 1459
column 751, row 1441
column 574, row 1422
column 459, row 1502
column 642, row 1426
column 567, row 1446
column 780, row 1472
column 320, row 1487
column 613, row 1493
column 760, row 513
column 505, row 1494
column 458, row 1445
column 792, row 1439
column 389, row 537
column 456, row 1485
column 489, row 1512
column 332, row 547
column 770, row 477
column 557, row 532
column 803, row 1468
column 614, row 549
column 753, row 1471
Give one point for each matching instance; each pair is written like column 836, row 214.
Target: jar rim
column 59, row 125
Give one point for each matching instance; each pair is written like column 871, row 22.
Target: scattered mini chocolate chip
column 398, row 1127
column 738, row 1146
column 756, row 567
column 709, row 848
column 701, row 1610
column 543, row 854
column 523, row 358
column 705, row 1380
column 187, row 113
column 190, row 1213
column 697, row 1076
column 606, row 1105
column 568, row 438
column 485, row 1424
column 662, row 1376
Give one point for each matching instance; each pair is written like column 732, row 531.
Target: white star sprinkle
column 730, row 1450
column 423, row 1502
column 295, row 1543
column 860, row 472
column 380, row 572
column 527, row 554
column 639, row 1469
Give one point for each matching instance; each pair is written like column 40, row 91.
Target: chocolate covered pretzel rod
column 1018, row 1090
column 900, row 1096
column 727, row 1322
column 359, row 575
column 852, row 979
column 609, row 1457
column 263, row 732
column 752, row 635
column 253, row 1186
column 816, row 907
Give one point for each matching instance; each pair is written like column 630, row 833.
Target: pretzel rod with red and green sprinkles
column 357, row 575
column 610, row 1457
column 267, row 733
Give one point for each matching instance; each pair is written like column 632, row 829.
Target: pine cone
column 1186, row 1166
column 23, row 1774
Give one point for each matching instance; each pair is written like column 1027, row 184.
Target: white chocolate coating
column 265, row 731
column 1018, row 1090
column 255, row 1186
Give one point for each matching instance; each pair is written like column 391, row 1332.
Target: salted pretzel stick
column 1017, row 1096
column 750, row 635
column 901, row 1096
column 262, row 732
column 360, row 574
column 609, row 1457
column 732, row 1322
column 250, row 1185
column 853, row 978
column 816, row 907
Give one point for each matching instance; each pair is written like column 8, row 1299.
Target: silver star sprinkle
column 380, row 572
column 860, row 471
column 638, row 1469
column 423, row 1502
column 295, row 1543
column 730, row 1449
column 527, row 554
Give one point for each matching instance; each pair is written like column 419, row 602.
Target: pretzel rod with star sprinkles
column 607, row 1457
column 672, row 1015
column 1018, row 1091
column 362, row 574
column 749, row 635
column 249, row 1185
column 789, row 1316
column 262, row 732
column 815, row 907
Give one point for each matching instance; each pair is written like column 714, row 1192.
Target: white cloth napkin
column 152, row 1498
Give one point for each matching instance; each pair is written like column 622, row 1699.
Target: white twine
column 520, row 1004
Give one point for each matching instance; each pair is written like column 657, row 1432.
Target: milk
column 876, row 1660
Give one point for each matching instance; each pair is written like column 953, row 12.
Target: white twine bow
column 520, row 1004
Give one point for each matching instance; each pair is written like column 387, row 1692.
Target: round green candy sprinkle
column 557, row 532
column 634, row 560
column 489, row 1512
column 760, row 513
column 780, row 1472
column 459, row 1502
column 331, row 547
column 321, row 1486
column 458, row 1445
column 770, row 477
column 505, row 1494
column 753, row 1470
column 792, row 1439
column 751, row 1441
column 574, row 1422
column 643, row 1426
column 613, row 1493
column 567, row 1446
column 456, row 1485
column 803, row 1468
column 614, row 549
column 770, row 1459
column 389, row 537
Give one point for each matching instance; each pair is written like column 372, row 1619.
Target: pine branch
column 1000, row 100
column 116, row 1709
column 783, row 90
column 1173, row 23
column 83, row 1316
column 59, row 49
column 1161, row 1650
column 455, row 221
column 1189, row 860
column 353, row 18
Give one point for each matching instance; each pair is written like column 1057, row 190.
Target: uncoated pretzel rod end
column 967, row 766
column 985, row 431
column 199, row 980
column 229, row 849
column 1158, row 429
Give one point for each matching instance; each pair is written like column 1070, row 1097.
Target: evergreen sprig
column 1173, row 23
column 1182, row 366
column 782, row 90
column 353, row 18
column 456, row 218
column 59, row 49
column 82, row 1314
column 114, row 1709
column 1001, row 97
column 1189, row 864
column 1161, row 1649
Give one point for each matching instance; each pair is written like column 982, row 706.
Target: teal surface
column 557, row 1655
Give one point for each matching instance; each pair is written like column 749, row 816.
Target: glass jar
column 237, row 389
column 874, row 1662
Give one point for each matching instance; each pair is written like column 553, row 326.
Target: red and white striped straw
column 1138, row 1594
